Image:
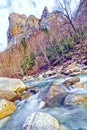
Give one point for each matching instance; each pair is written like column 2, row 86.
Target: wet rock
column 71, row 81
column 75, row 99
column 4, row 121
column 41, row 121
column 55, row 95
column 42, row 104
column 31, row 91
column 79, row 85
column 12, row 84
column 8, row 95
column 6, row 108
column 25, row 95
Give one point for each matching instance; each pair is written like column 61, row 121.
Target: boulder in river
column 42, row 104
column 6, row 108
column 55, row 95
column 75, row 99
column 41, row 121
column 79, row 85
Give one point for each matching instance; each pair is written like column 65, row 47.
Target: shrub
column 24, row 45
column 45, row 30
column 27, row 62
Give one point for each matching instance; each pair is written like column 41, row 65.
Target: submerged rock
column 41, row 121
column 6, row 108
column 79, row 85
column 29, row 92
column 75, row 99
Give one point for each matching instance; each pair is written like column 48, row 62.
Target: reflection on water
column 74, row 117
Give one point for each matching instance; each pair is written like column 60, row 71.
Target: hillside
column 36, row 44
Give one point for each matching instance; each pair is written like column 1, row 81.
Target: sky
column 27, row 7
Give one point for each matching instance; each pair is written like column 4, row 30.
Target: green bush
column 57, row 49
column 27, row 62
column 69, row 43
column 24, row 45
column 45, row 30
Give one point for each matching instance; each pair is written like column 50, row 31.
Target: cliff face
column 28, row 40
column 31, row 42
column 81, row 14
column 21, row 26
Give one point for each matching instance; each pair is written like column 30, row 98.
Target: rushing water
column 74, row 117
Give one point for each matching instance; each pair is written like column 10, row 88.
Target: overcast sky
column 26, row 7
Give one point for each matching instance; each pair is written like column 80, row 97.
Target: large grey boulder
column 55, row 95
column 12, row 84
column 41, row 121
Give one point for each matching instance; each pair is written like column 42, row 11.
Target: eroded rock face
column 17, row 25
column 21, row 26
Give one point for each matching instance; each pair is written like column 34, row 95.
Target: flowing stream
column 74, row 117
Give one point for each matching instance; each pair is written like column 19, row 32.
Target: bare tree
column 64, row 7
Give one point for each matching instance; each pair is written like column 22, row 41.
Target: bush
column 67, row 44
column 57, row 49
column 45, row 30
column 24, row 45
column 27, row 62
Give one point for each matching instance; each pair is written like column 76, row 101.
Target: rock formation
column 21, row 26
column 31, row 40
column 81, row 14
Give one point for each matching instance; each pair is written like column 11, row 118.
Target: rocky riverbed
column 52, row 103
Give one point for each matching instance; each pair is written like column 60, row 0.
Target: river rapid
column 73, row 117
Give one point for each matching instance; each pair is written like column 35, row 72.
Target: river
column 74, row 117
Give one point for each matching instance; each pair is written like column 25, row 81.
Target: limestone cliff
column 21, row 26
column 33, row 43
